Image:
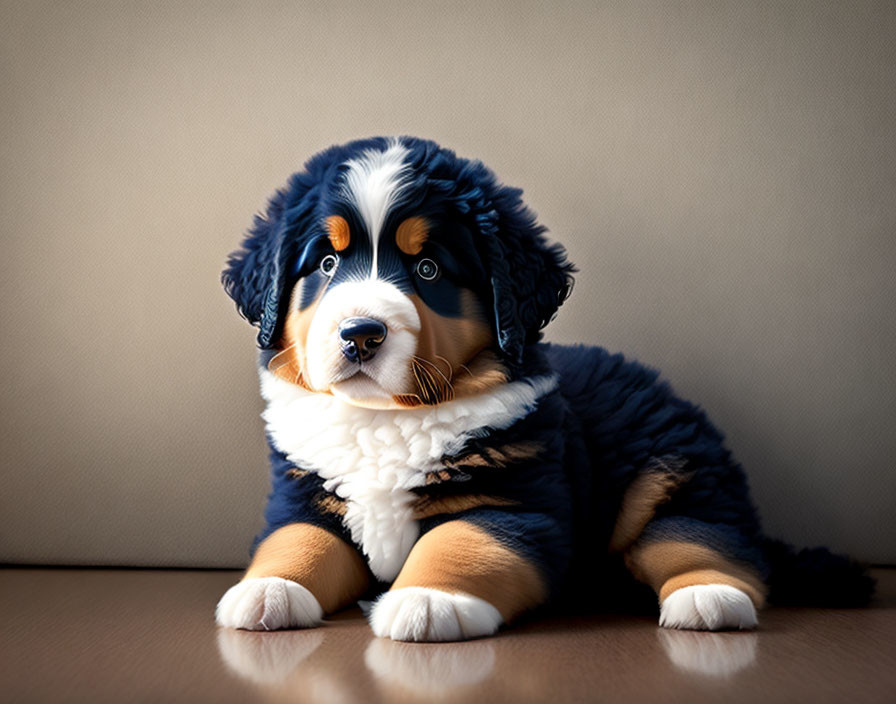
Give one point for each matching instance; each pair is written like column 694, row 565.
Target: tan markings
column 327, row 566
column 297, row 473
column 668, row 565
column 339, row 232
column 331, row 504
column 411, row 235
column 444, row 346
column 474, row 459
column 643, row 496
column 483, row 372
column 427, row 506
column 497, row 456
column 438, row 477
column 285, row 365
column 460, row 557
column 289, row 362
column 407, row 400
column 517, row 452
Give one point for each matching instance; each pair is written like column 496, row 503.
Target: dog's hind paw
column 422, row 614
column 268, row 604
column 708, row 607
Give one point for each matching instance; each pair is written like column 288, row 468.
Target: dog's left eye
column 427, row 269
column 328, row 264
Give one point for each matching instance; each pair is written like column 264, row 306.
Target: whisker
column 447, row 380
column 447, row 364
column 428, row 384
column 299, row 375
column 280, row 359
column 418, row 370
column 467, row 370
column 441, row 392
column 423, row 360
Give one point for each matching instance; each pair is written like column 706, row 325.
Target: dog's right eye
column 328, row 264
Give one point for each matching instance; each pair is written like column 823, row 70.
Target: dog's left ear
column 530, row 277
column 256, row 275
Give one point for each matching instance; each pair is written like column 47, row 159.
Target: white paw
column 422, row 614
column 708, row 607
column 268, row 604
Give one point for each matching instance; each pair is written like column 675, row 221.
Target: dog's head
column 391, row 272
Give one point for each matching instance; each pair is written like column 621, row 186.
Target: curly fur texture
column 524, row 473
column 530, row 278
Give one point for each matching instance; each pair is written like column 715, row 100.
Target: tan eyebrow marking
column 411, row 235
column 339, row 232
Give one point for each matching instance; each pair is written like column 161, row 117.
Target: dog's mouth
column 349, row 372
column 361, row 389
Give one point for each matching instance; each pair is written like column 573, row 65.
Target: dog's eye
column 328, row 264
column 427, row 269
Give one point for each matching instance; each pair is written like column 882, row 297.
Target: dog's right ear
column 257, row 274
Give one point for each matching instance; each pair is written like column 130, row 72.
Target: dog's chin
column 361, row 390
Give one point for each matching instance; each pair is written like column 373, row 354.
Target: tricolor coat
column 425, row 443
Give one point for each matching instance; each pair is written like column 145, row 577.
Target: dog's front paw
column 268, row 604
column 708, row 607
column 422, row 614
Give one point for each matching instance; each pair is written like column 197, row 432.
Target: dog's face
column 387, row 313
column 391, row 273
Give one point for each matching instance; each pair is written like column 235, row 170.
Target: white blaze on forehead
column 373, row 183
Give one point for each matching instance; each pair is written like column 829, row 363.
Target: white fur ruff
column 268, row 604
column 422, row 614
column 708, row 607
column 371, row 458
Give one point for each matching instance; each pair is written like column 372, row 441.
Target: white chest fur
column 372, row 458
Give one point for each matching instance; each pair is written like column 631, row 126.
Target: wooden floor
column 148, row 635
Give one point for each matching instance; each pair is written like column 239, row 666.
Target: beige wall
column 723, row 174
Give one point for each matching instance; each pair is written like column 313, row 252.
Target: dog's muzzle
column 360, row 338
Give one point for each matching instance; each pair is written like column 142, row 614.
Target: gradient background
column 723, row 174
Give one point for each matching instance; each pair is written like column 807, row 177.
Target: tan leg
column 299, row 573
column 458, row 582
column 697, row 587
column 668, row 565
column 325, row 565
column 648, row 491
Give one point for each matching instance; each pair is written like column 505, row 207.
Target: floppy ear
column 257, row 274
column 530, row 277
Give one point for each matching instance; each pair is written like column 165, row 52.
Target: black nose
column 360, row 338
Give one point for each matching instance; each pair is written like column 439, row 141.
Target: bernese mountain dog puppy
column 428, row 450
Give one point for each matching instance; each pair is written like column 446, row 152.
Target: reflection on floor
column 111, row 635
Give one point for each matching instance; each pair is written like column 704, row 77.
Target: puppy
column 427, row 448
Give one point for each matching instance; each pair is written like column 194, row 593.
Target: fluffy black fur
column 608, row 421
